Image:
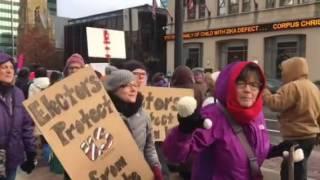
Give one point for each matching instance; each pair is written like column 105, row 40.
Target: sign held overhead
column 106, row 43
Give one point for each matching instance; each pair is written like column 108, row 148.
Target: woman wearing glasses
column 219, row 153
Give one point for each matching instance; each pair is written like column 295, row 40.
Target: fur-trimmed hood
column 294, row 68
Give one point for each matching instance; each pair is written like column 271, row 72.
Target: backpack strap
column 238, row 130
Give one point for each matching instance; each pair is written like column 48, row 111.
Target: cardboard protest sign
column 106, row 43
column 78, row 119
column 160, row 103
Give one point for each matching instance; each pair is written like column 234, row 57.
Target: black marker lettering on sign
column 163, row 119
column 96, row 84
column 110, row 172
column 132, row 176
column 46, row 109
column 157, row 133
column 160, row 104
column 148, row 100
column 51, row 106
column 87, row 118
column 38, row 113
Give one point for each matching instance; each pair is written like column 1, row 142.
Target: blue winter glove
column 28, row 165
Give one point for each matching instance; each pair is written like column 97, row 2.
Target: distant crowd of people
column 233, row 145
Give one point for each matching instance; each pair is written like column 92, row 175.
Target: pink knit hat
column 74, row 58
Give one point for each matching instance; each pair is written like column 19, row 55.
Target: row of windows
column 7, row 28
column 276, row 50
column 8, row 19
column 226, row 7
column 9, row 11
column 8, row 24
column 3, row 31
column 9, row 1
column 9, row 7
column 7, row 40
column 8, row 15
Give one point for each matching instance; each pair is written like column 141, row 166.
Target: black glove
column 277, row 150
column 28, row 165
column 188, row 124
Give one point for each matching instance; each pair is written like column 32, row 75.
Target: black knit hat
column 131, row 65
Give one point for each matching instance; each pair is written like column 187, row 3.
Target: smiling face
column 248, row 86
column 6, row 72
column 128, row 93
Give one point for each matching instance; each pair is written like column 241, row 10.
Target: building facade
column 9, row 21
column 267, row 31
column 52, row 6
column 143, row 35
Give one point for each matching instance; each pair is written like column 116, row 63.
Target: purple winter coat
column 21, row 138
column 218, row 153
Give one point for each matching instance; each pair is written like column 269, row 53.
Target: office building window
column 191, row 9
column 307, row 1
column 222, row 7
column 246, row 5
column 193, row 54
column 286, row 2
column 270, row 3
column 233, row 6
column 280, row 48
column 202, row 8
column 231, row 51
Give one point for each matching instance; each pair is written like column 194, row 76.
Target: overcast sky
column 80, row 8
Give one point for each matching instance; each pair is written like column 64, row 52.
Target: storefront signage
column 280, row 26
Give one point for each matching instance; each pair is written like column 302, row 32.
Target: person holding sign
column 74, row 63
column 236, row 142
column 16, row 127
column 122, row 88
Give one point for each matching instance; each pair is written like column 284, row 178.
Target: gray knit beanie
column 118, row 78
column 109, row 69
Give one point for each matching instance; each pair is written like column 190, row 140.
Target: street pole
column 178, row 27
column 12, row 29
column 131, row 34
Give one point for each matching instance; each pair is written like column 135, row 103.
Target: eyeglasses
column 139, row 73
column 252, row 85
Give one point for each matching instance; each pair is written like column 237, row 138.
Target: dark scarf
column 5, row 88
column 127, row 109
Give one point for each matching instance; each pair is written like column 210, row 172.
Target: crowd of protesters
column 233, row 146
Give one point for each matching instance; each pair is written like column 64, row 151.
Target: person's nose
column 247, row 88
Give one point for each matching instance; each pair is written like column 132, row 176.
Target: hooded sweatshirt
column 218, row 153
column 183, row 78
column 298, row 101
column 38, row 85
